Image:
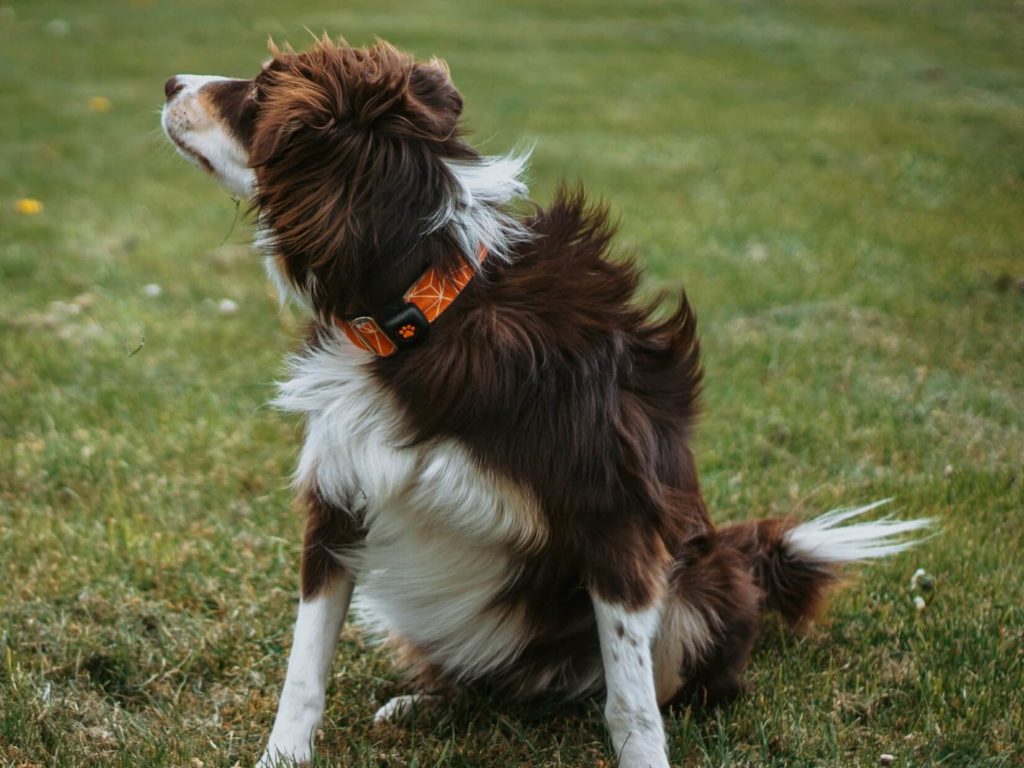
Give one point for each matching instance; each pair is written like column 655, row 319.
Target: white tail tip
column 826, row 540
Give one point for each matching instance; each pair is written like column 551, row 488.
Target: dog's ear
column 285, row 101
column 430, row 84
column 270, row 141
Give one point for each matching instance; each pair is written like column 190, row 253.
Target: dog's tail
column 795, row 563
column 729, row 578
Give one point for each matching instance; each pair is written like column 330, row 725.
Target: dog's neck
column 391, row 243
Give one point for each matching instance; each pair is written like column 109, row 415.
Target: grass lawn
column 839, row 185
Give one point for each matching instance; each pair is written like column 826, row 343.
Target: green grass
column 839, row 185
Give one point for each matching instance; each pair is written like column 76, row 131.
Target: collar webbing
column 424, row 302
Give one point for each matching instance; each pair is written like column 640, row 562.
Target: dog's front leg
column 326, row 592
column 631, row 709
column 305, row 685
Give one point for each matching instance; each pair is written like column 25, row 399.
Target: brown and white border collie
column 513, row 490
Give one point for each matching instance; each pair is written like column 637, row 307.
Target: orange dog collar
column 424, row 302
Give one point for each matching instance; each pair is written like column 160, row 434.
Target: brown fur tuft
column 329, row 530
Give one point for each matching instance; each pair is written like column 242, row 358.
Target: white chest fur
column 440, row 528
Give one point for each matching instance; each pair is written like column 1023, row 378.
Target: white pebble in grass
column 922, row 580
column 919, row 603
column 152, row 290
column 227, row 307
column 757, row 252
column 58, row 28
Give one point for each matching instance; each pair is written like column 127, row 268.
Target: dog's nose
column 172, row 86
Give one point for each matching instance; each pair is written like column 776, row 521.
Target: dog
column 497, row 445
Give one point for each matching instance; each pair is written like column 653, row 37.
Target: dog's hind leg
column 326, row 592
column 708, row 627
column 401, row 707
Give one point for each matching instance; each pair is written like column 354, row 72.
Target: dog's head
column 347, row 155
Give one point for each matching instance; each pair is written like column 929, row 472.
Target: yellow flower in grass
column 28, row 207
column 100, row 104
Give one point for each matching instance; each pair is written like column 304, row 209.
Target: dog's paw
column 643, row 756
column 400, row 707
column 278, row 755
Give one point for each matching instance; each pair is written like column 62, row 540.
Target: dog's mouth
column 190, row 154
